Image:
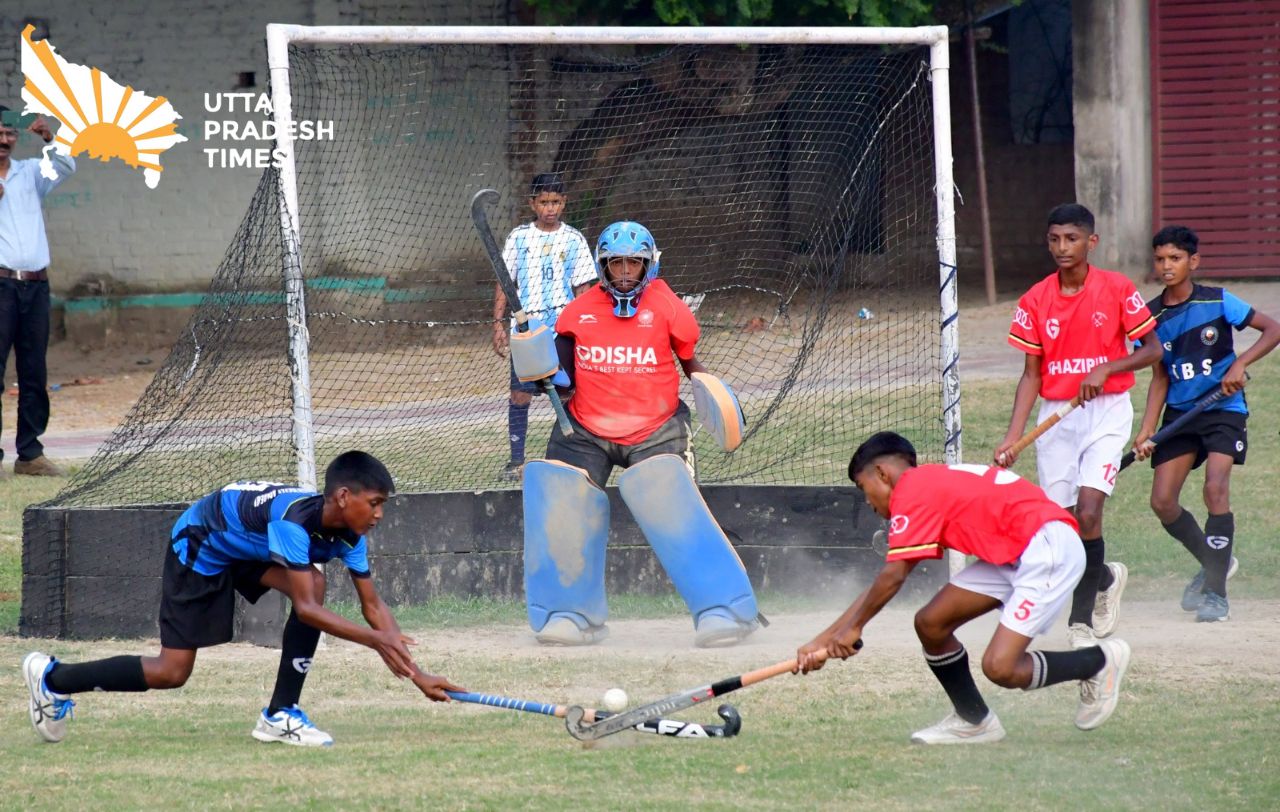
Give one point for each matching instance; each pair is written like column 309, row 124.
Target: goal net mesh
column 790, row 190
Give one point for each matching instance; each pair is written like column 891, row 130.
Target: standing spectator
column 24, row 286
column 551, row 263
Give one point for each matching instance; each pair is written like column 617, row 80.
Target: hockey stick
column 1176, row 426
column 508, row 285
column 1046, row 424
column 662, row 727
column 576, row 717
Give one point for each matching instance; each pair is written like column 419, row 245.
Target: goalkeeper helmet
column 626, row 239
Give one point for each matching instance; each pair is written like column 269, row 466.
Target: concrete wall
column 104, row 223
column 1113, row 128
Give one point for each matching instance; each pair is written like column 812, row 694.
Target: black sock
column 1187, row 530
column 123, row 673
column 297, row 648
column 1219, row 538
column 1086, row 592
column 517, row 428
column 1052, row 667
column 952, row 670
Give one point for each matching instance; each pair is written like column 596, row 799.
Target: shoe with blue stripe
column 49, row 709
column 291, row 726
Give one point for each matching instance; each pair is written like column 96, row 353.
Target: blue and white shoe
column 49, row 710
column 291, row 726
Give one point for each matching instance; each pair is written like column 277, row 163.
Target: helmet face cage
column 626, row 239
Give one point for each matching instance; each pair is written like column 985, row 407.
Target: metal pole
column 290, row 238
column 939, row 67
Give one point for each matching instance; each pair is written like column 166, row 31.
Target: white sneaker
column 49, row 710
column 563, row 631
column 291, row 726
column 1106, row 607
column 954, row 730
column 715, row 630
column 1080, row 636
column 1100, row 693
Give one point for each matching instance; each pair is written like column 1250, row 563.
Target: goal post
column 936, row 38
column 798, row 182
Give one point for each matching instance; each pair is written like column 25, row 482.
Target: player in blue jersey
column 1194, row 324
column 251, row 537
column 551, row 263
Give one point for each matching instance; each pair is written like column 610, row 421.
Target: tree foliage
column 734, row 12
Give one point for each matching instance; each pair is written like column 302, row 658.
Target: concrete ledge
column 95, row 572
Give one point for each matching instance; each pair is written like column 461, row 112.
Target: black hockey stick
column 508, row 285
column 1176, row 426
column 662, row 727
column 576, row 721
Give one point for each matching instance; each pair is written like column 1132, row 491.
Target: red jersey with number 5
column 979, row 510
column 626, row 383
column 1073, row 334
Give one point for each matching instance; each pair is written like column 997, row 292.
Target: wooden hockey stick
column 576, row 717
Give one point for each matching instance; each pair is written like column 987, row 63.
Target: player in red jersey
column 1029, row 560
column 621, row 341
column 1075, row 327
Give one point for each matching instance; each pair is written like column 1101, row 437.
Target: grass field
column 1196, row 727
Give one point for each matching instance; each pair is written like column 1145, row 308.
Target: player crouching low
column 250, row 538
column 626, row 411
column 1030, row 558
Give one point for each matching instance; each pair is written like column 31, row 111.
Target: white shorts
column 1034, row 588
column 1084, row 449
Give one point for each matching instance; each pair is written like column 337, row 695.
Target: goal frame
column 281, row 36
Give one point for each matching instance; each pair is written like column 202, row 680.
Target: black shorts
column 199, row 610
column 1212, row 431
column 598, row 456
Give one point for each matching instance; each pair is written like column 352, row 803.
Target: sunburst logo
column 100, row 119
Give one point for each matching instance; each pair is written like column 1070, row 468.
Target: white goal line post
column 280, row 36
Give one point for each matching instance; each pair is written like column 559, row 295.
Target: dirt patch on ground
column 1165, row 640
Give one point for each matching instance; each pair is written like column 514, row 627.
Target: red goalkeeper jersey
column 1073, row 334
column 979, row 510
column 626, row 383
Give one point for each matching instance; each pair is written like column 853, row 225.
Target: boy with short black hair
column 1074, row 326
column 1193, row 328
column 551, row 263
column 1029, row 559
column 251, row 537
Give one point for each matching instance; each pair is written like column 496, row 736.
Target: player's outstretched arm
column 1024, row 397
column 500, row 339
column 376, row 612
column 298, row 585
column 838, row 639
column 1143, row 356
column 1157, row 392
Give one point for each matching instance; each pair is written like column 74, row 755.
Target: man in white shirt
column 24, row 285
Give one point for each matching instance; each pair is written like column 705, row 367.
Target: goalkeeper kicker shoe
column 291, row 726
column 49, row 709
column 955, row 730
column 1106, row 607
column 1100, row 693
column 561, row 630
column 716, row 629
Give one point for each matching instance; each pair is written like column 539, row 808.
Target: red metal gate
column 1215, row 100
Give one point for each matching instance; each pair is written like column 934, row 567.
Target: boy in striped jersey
column 1193, row 328
column 551, row 263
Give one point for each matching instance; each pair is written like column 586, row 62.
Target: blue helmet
column 626, row 239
